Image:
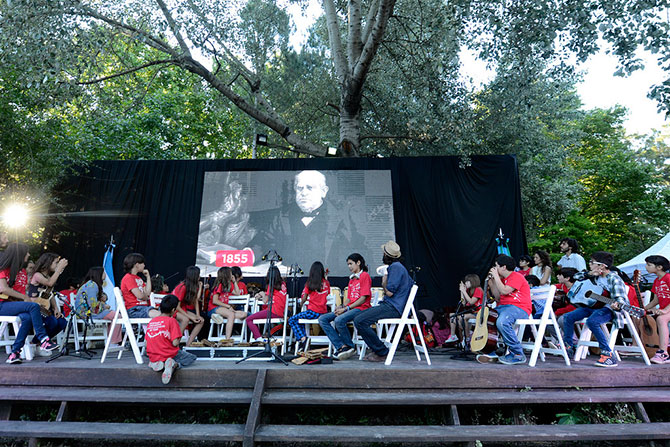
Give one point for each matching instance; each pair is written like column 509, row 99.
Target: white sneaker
column 41, row 352
column 452, row 338
column 217, row 319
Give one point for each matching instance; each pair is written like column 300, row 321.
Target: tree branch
column 125, row 72
column 370, row 20
column 335, row 40
column 354, row 44
column 174, row 27
column 374, row 39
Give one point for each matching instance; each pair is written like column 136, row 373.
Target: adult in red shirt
column 11, row 261
column 163, row 335
column 317, row 289
column 659, row 266
column 358, row 300
column 512, row 292
column 134, row 290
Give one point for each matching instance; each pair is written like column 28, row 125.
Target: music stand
column 274, row 258
column 459, row 318
column 82, row 352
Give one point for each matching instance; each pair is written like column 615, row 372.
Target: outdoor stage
column 261, row 391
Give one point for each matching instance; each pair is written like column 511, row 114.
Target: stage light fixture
column 261, row 139
column 15, row 216
column 332, row 151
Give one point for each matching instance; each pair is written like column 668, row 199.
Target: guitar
column 635, row 311
column 485, row 335
column 646, row 325
column 44, row 301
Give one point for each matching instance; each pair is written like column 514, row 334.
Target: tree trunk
column 350, row 132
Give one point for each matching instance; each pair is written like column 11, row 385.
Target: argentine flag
column 108, row 284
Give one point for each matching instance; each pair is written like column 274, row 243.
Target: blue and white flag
column 108, row 284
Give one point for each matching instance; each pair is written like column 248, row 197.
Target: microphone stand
column 82, row 352
column 274, row 258
column 459, row 318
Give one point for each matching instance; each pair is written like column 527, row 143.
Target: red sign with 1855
column 229, row 258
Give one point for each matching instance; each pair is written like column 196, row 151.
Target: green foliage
column 618, row 413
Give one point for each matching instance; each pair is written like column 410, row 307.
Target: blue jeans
column 184, row 358
column 595, row 317
column 139, row 311
column 29, row 313
column 339, row 335
column 507, row 316
column 367, row 318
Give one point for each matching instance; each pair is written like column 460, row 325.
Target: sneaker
column 302, row 344
column 374, row 357
column 157, row 366
column 42, row 353
column 48, row 345
column 512, row 359
column 606, row 361
column 660, row 358
column 216, row 319
column 487, row 358
column 14, row 357
column 167, row 372
column 453, row 338
column 571, row 351
column 344, row 353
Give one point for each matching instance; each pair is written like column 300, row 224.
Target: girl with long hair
column 279, row 294
column 189, row 292
column 316, row 291
column 542, row 267
column 48, row 269
column 471, row 297
column 12, row 260
column 219, row 302
column 357, row 300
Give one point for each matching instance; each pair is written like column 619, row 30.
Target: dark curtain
column 446, row 216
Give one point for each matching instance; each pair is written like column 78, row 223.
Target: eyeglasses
column 596, row 262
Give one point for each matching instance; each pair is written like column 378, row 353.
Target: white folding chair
column 234, row 300
column 395, row 326
column 285, row 336
column 7, row 340
column 320, row 340
column 121, row 318
column 376, row 297
column 155, row 299
column 97, row 331
column 538, row 328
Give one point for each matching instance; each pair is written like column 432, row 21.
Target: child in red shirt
column 659, row 266
column 219, row 306
column 134, row 290
column 525, row 263
column 316, row 293
column 471, row 298
column 189, row 292
column 163, row 335
column 279, row 294
column 237, row 274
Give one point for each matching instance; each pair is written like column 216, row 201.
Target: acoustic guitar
column 485, row 335
column 646, row 325
column 635, row 311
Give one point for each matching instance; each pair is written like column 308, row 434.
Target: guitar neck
column 627, row 307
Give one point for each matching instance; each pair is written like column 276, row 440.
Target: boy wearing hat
column 397, row 285
column 599, row 268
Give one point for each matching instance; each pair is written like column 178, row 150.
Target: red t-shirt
column 524, row 272
column 180, row 292
column 4, row 274
column 128, row 283
column 479, row 294
column 562, row 287
column 223, row 297
column 661, row 289
column 632, row 295
column 243, row 288
column 520, row 296
column 161, row 332
column 21, row 281
column 278, row 300
column 359, row 287
column 317, row 300
column 68, row 295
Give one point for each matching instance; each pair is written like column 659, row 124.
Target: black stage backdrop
column 446, row 216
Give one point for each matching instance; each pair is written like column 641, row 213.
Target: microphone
column 265, row 256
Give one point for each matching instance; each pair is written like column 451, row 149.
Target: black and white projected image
column 305, row 216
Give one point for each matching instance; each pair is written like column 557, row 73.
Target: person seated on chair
column 219, row 302
column 48, row 269
column 237, row 274
column 601, row 272
column 357, row 300
column 11, row 260
column 134, row 290
column 525, row 265
column 512, row 292
column 471, row 299
column 397, row 285
column 163, row 335
column 188, row 312
column 316, row 291
column 89, row 298
column 279, row 293
column 659, row 266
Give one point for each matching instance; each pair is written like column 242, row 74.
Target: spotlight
column 15, row 216
column 261, row 139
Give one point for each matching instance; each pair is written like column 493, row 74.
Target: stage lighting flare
column 15, row 216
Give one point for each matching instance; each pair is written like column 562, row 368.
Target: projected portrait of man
column 310, row 228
